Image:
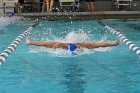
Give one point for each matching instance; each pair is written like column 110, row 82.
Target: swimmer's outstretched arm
column 47, row 44
column 98, row 44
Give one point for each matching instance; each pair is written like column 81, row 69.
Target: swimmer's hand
column 27, row 42
column 116, row 42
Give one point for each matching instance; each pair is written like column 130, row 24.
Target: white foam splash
column 65, row 53
column 5, row 21
column 103, row 49
column 59, row 52
column 75, row 37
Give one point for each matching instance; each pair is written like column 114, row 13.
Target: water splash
column 5, row 21
column 75, row 37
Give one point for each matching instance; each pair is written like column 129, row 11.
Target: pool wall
column 84, row 15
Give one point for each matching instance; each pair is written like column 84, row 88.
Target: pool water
column 32, row 69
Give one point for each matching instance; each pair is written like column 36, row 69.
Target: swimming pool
column 32, row 69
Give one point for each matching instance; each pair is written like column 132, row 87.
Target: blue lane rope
column 15, row 43
column 124, row 39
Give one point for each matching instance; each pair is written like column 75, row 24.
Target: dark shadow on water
column 1, row 32
column 73, row 74
column 134, row 26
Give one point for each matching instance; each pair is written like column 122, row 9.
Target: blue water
column 32, row 69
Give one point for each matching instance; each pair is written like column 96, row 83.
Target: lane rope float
column 123, row 38
column 15, row 43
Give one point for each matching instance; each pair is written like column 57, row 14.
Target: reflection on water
column 1, row 32
column 73, row 75
column 134, row 26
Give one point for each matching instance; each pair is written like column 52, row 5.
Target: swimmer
column 72, row 46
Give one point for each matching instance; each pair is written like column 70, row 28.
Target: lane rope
column 15, row 43
column 123, row 38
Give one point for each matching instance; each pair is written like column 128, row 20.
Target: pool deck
column 83, row 15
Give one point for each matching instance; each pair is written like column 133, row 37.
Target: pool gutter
column 83, row 15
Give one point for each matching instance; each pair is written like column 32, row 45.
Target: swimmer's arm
column 47, row 44
column 98, row 44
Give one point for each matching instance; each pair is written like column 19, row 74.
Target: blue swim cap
column 71, row 47
column 11, row 14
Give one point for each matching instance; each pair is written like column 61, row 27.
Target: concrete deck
column 83, row 15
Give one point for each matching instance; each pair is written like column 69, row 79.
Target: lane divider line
column 123, row 38
column 15, row 43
